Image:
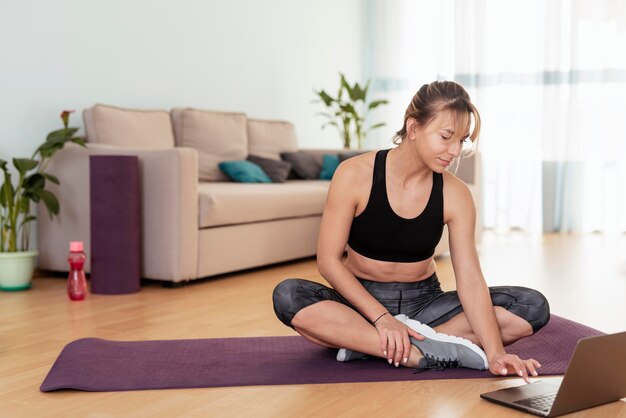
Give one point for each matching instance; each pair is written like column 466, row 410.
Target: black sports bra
column 379, row 233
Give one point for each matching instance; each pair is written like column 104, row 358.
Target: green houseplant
column 348, row 111
column 17, row 262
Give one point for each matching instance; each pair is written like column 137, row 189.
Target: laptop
column 596, row 375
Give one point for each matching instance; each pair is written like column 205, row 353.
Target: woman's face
column 440, row 141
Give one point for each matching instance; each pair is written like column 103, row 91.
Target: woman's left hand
column 505, row 364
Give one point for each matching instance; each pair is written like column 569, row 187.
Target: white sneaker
column 445, row 351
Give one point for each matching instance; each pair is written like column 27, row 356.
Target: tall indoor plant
column 348, row 111
column 17, row 261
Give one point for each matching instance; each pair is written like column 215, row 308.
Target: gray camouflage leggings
column 423, row 301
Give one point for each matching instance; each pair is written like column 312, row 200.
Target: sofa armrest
column 169, row 212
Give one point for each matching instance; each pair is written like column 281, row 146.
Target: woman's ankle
column 414, row 358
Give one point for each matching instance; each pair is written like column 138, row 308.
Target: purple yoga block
column 115, row 224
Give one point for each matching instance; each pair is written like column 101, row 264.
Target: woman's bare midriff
column 388, row 271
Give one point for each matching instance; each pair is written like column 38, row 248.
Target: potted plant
column 17, row 261
column 348, row 111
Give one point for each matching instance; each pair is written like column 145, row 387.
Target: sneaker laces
column 436, row 363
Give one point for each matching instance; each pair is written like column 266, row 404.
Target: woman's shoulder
column 354, row 175
column 451, row 181
column 455, row 190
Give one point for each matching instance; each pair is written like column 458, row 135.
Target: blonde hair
column 440, row 96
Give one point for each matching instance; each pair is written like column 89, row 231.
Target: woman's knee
column 292, row 295
column 283, row 300
column 533, row 306
column 537, row 307
column 542, row 316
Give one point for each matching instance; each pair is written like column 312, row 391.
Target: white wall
column 261, row 57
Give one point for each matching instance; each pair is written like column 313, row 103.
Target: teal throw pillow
column 330, row 162
column 244, row 171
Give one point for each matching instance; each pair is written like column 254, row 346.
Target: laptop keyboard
column 540, row 402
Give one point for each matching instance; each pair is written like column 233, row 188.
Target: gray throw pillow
column 277, row 170
column 303, row 165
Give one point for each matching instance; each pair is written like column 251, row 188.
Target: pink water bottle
column 76, row 282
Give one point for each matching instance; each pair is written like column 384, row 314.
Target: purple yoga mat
column 93, row 364
column 115, row 221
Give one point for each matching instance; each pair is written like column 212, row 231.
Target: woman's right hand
column 394, row 339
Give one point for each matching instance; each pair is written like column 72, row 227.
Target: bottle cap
column 76, row 246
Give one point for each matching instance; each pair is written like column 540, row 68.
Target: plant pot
column 16, row 270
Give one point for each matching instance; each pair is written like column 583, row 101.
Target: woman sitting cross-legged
column 389, row 207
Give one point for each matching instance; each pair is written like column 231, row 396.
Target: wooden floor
column 584, row 278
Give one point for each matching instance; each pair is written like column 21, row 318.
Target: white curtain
column 549, row 78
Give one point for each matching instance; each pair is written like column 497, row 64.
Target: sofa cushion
column 217, row 136
column 176, row 115
column 268, row 138
column 303, row 165
column 346, row 155
column 129, row 128
column 277, row 170
column 244, row 171
column 224, row 203
column 330, row 162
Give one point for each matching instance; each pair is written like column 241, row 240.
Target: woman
column 390, row 207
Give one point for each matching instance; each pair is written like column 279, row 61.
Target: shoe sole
column 342, row 354
column 428, row 332
column 346, row 355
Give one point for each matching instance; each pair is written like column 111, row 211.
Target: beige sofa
column 195, row 222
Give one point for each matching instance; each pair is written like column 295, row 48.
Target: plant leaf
column 343, row 82
column 348, row 108
column 332, row 122
column 35, row 181
column 352, row 91
column 61, row 134
column 52, row 178
column 378, row 125
column 78, row 140
column 377, row 103
column 359, row 93
column 4, row 199
column 6, row 191
column 34, row 195
column 24, row 205
column 326, row 98
column 51, row 202
column 57, row 141
column 24, row 165
column 48, row 149
column 28, row 218
column 367, row 87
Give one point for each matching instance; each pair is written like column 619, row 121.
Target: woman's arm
column 472, row 289
column 343, row 196
column 334, row 230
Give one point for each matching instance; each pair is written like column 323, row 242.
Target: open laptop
column 596, row 375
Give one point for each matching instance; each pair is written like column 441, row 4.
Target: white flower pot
column 16, row 270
